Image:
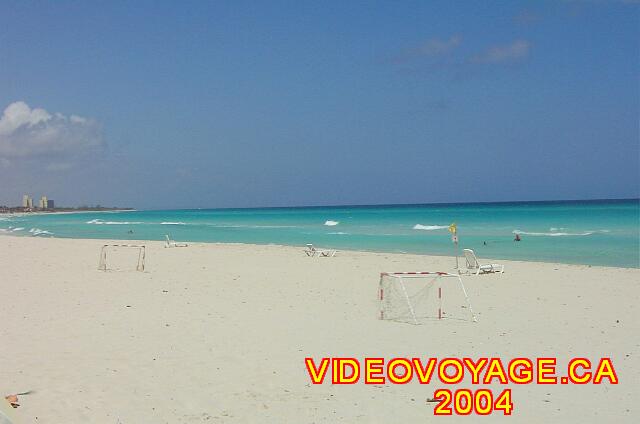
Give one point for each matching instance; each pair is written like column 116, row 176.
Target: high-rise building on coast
column 43, row 203
column 27, row 201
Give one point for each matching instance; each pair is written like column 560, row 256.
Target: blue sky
column 240, row 104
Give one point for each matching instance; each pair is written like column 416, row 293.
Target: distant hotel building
column 27, row 202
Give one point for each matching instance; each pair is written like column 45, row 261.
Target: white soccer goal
column 120, row 259
column 418, row 297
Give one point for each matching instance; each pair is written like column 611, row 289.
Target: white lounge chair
column 171, row 243
column 473, row 265
column 312, row 251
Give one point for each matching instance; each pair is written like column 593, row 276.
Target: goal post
column 141, row 250
column 418, row 297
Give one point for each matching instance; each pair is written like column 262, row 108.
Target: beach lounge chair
column 171, row 243
column 312, row 251
column 473, row 265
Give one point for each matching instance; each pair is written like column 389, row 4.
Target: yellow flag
column 453, row 228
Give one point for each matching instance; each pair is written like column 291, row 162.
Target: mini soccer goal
column 418, row 297
column 122, row 257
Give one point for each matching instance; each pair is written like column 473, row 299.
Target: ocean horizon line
column 391, row 205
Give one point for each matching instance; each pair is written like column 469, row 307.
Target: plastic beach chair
column 473, row 265
column 171, row 243
column 312, row 251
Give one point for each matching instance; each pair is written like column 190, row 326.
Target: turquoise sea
column 579, row 232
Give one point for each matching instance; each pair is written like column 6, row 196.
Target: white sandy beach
column 218, row 333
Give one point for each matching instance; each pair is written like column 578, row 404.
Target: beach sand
column 219, row 332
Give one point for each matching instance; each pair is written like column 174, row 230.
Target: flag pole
column 453, row 229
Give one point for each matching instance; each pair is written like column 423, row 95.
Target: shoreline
column 426, row 255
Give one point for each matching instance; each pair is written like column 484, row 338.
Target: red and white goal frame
column 142, row 253
column 400, row 295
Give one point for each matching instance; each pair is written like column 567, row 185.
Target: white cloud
column 433, row 50
column 436, row 46
column 29, row 133
column 77, row 119
column 516, row 50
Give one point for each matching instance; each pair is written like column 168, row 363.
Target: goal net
column 418, row 297
column 122, row 257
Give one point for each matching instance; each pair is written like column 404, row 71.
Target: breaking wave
column 429, row 227
column 101, row 222
column 38, row 231
column 246, row 226
column 555, row 233
column 172, row 223
column 331, row 223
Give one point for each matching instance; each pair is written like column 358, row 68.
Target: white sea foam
column 331, row 223
column 429, row 227
column 101, row 222
column 172, row 223
column 555, row 233
column 38, row 231
column 17, row 229
column 249, row 226
column 341, row 233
